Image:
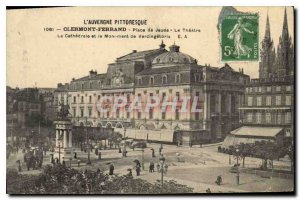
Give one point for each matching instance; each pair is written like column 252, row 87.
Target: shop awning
column 253, row 131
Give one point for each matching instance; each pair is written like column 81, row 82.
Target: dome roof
column 173, row 57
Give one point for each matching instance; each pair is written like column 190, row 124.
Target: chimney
column 92, row 73
column 134, row 51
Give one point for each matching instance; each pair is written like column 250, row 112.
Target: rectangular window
column 268, row 100
column 288, row 117
column 288, row 88
column 74, row 99
column 81, row 99
column 151, row 113
column 288, row 100
column 278, row 88
column 278, row 100
column 98, row 97
column 140, row 81
column 163, row 96
column 249, row 117
column 259, row 89
column 128, row 115
column 258, row 101
column 139, row 115
column 107, row 114
column 268, row 117
column 250, row 101
column 90, row 112
column 269, row 89
column 74, row 112
column 118, row 113
column 177, row 114
column 81, row 112
column 90, row 99
column 250, row 89
column 279, row 118
column 258, row 118
column 163, row 115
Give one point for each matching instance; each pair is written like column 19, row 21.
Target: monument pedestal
column 63, row 147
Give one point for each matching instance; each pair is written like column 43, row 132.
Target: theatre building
column 166, row 74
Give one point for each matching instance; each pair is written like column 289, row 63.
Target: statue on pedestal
column 63, row 112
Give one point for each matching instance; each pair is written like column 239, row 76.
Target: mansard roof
column 86, row 78
column 150, row 71
column 140, row 54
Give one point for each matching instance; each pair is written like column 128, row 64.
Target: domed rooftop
column 173, row 57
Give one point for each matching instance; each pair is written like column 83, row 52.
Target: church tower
column 266, row 65
column 285, row 52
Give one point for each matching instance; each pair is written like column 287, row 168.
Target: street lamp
column 59, row 141
column 143, row 167
column 237, row 165
column 124, row 133
column 88, row 162
column 162, row 162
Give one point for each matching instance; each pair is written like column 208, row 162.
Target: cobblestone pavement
column 198, row 168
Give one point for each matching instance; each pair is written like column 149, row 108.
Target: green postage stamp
column 239, row 37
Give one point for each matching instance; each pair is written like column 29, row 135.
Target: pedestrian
column 138, row 168
column 160, row 150
column 96, row 151
column 151, row 167
column 111, row 169
column 153, row 152
column 208, row 190
column 129, row 172
column 158, row 167
column 166, row 168
column 99, row 156
column 98, row 171
column 75, row 155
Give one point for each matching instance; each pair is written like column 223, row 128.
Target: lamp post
column 237, row 164
column 88, row 162
column 143, row 167
column 59, row 141
column 124, row 133
column 124, row 143
column 162, row 162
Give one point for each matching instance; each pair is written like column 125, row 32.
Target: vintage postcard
column 150, row 100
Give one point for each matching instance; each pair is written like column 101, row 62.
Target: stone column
column 229, row 104
column 219, row 110
column 65, row 138
column 70, row 138
column 206, row 110
column 56, row 138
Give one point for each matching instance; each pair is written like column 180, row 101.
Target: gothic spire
column 267, row 32
column 285, row 29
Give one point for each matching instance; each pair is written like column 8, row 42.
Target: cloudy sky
column 35, row 56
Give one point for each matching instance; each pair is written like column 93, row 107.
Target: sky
column 39, row 58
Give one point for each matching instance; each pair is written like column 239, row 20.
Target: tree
column 60, row 179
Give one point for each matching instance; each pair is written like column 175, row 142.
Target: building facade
column 269, row 100
column 162, row 73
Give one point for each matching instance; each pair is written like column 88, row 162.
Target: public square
column 197, row 168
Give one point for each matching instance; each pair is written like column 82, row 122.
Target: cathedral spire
column 285, row 29
column 267, row 32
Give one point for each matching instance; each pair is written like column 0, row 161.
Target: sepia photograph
column 150, row 100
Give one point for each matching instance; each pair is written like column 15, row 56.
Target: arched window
column 151, row 80
column 177, row 78
column 164, row 79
